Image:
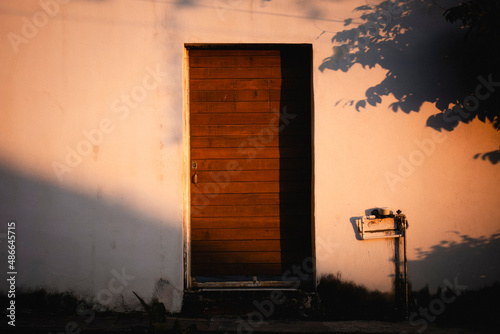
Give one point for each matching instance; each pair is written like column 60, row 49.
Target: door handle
column 194, row 179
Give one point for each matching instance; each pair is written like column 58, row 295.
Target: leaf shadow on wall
column 427, row 59
column 471, row 261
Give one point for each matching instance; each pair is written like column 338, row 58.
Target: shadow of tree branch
column 427, row 59
column 472, row 259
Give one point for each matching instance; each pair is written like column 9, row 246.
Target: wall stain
column 95, row 149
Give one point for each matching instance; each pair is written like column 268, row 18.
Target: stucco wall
column 92, row 151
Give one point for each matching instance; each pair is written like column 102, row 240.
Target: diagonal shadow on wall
column 70, row 241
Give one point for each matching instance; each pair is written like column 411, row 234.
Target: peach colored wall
column 105, row 78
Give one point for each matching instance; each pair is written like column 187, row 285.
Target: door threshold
column 231, row 289
column 245, row 285
column 250, row 285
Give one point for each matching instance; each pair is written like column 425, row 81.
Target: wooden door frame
column 186, row 179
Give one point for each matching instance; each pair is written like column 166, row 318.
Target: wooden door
column 250, row 142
